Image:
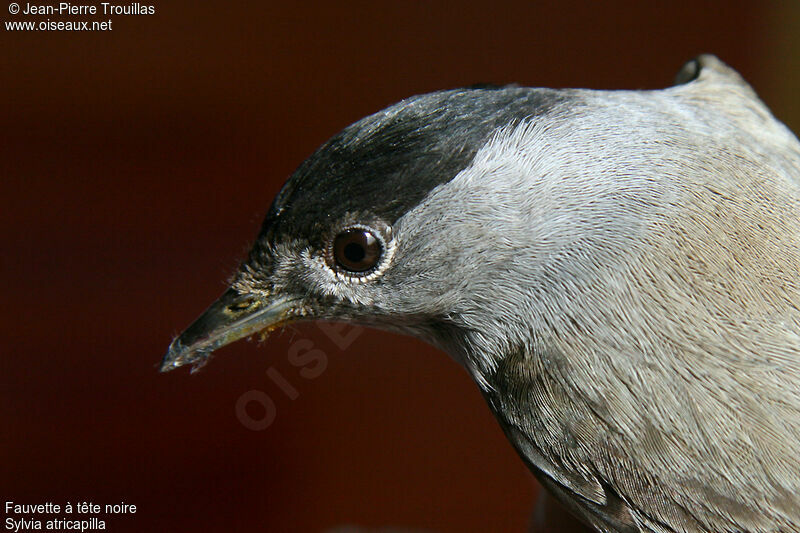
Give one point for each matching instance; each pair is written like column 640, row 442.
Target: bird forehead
column 384, row 165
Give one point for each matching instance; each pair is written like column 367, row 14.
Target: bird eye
column 357, row 250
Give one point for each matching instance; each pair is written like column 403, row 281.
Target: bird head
column 355, row 234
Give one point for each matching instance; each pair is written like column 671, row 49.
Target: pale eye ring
column 357, row 250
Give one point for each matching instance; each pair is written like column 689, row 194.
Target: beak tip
column 168, row 364
column 171, row 360
column 178, row 355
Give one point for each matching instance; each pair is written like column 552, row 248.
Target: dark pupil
column 356, row 250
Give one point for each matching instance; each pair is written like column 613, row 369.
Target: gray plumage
column 617, row 270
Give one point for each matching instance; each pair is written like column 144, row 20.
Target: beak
column 230, row 318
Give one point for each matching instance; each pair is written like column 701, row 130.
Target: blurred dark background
column 136, row 167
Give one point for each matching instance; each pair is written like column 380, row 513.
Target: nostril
column 241, row 305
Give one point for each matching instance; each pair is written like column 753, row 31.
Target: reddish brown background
column 136, row 167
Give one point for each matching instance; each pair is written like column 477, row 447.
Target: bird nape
column 619, row 271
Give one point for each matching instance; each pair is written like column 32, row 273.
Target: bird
column 617, row 270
